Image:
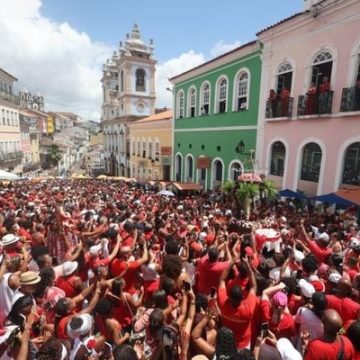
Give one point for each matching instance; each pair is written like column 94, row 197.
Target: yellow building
column 151, row 139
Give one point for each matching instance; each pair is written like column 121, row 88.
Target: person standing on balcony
column 272, row 101
column 357, row 94
column 310, row 101
column 285, row 95
column 324, row 90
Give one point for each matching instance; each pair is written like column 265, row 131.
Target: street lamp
column 240, row 149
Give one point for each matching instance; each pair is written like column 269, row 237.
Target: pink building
column 309, row 125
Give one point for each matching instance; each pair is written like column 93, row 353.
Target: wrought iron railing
column 315, row 104
column 350, row 99
column 279, row 108
column 9, row 97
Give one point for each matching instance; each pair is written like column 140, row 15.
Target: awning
column 187, row 186
column 332, row 198
column 351, row 194
column 291, row 194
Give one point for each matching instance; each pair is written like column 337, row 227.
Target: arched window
column 189, row 168
column 321, row 68
column 235, row 170
column 140, row 79
column 191, row 102
column 221, row 95
column 205, row 100
column 122, row 85
column 284, row 78
column 218, row 171
column 277, row 160
column 242, row 91
column 178, row 167
column 180, row 105
column 351, row 172
column 311, row 162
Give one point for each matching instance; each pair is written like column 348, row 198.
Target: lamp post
column 240, row 149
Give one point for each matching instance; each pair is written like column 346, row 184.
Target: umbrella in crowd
column 5, row 175
column 250, row 177
column 165, row 193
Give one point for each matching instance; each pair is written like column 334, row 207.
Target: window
column 133, row 147
column 242, row 88
column 235, row 171
column 157, row 151
column 311, row 162
column 217, row 172
column 3, row 116
column 140, row 79
column 222, row 95
column 321, row 69
column 191, row 102
column 7, row 117
column 138, row 148
column 150, row 149
column 180, row 104
column 144, row 149
column 205, row 100
column 351, row 172
column 284, row 78
column 122, row 83
column 178, row 161
column 189, row 168
column 277, row 160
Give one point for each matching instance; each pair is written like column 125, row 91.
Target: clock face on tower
column 140, row 107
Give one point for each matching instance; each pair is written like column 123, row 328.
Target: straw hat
column 29, row 278
column 9, row 239
column 68, row 267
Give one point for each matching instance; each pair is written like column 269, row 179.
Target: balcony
column 315, row 104
column 279, row 108
column 10, row 97
column 350, row 99
column 11, row 159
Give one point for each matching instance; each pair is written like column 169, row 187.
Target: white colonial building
column 128, row 85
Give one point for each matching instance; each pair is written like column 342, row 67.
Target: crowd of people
column 108, row 270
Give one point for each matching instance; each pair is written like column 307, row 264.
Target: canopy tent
column 333, row 198
column 4, row 175
column 350, row 194
column 291, row 194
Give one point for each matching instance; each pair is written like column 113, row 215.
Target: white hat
column 205, row 224
column 95, row 249
column 202, row 236
column 283, row 219
column 334, row 277
column 274, row 274
column 180, row 207
column 324, row 237
column 354, row 242
column 287, row 350
column 68, row 267
column 9, row 239
column 228, row 212
column 306, row 288
column 299, row 256
column 85, row 328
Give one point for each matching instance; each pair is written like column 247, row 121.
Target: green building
column 215, row 117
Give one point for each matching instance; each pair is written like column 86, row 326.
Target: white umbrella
column 4, row 175
column 166, row 193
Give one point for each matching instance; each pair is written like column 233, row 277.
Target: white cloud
column 222, row 47
column 171, row 68
column 55, row 59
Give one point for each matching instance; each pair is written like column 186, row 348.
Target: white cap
column 306, row 288
column 202, row 236
column 334, row 277
column 287, row 350
column 274, row 274
column 95, row 249
column 85, row 328
column 299, row 256
column 68, row 267
column 354, row 242
column 324, row 237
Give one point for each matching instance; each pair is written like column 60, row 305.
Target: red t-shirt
column 117, row 266
column 318, row 349
column 346, row 307
column 238, row 319
column 209, row 274
column 321, row 253
column 286, row 326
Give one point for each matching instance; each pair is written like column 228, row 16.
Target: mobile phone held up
column 264, row 329
column 186, row 286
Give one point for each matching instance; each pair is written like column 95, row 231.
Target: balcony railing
column 315, row 104
column 13, row 158
column 9, row 97
column 279, row 108
column 350, row 99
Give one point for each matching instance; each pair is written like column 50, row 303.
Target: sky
column 57, row 47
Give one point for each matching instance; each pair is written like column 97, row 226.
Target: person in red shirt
column 236, row 311
column 210, row 269
column 353, row 333
column 330, row 345
column 121, row 266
